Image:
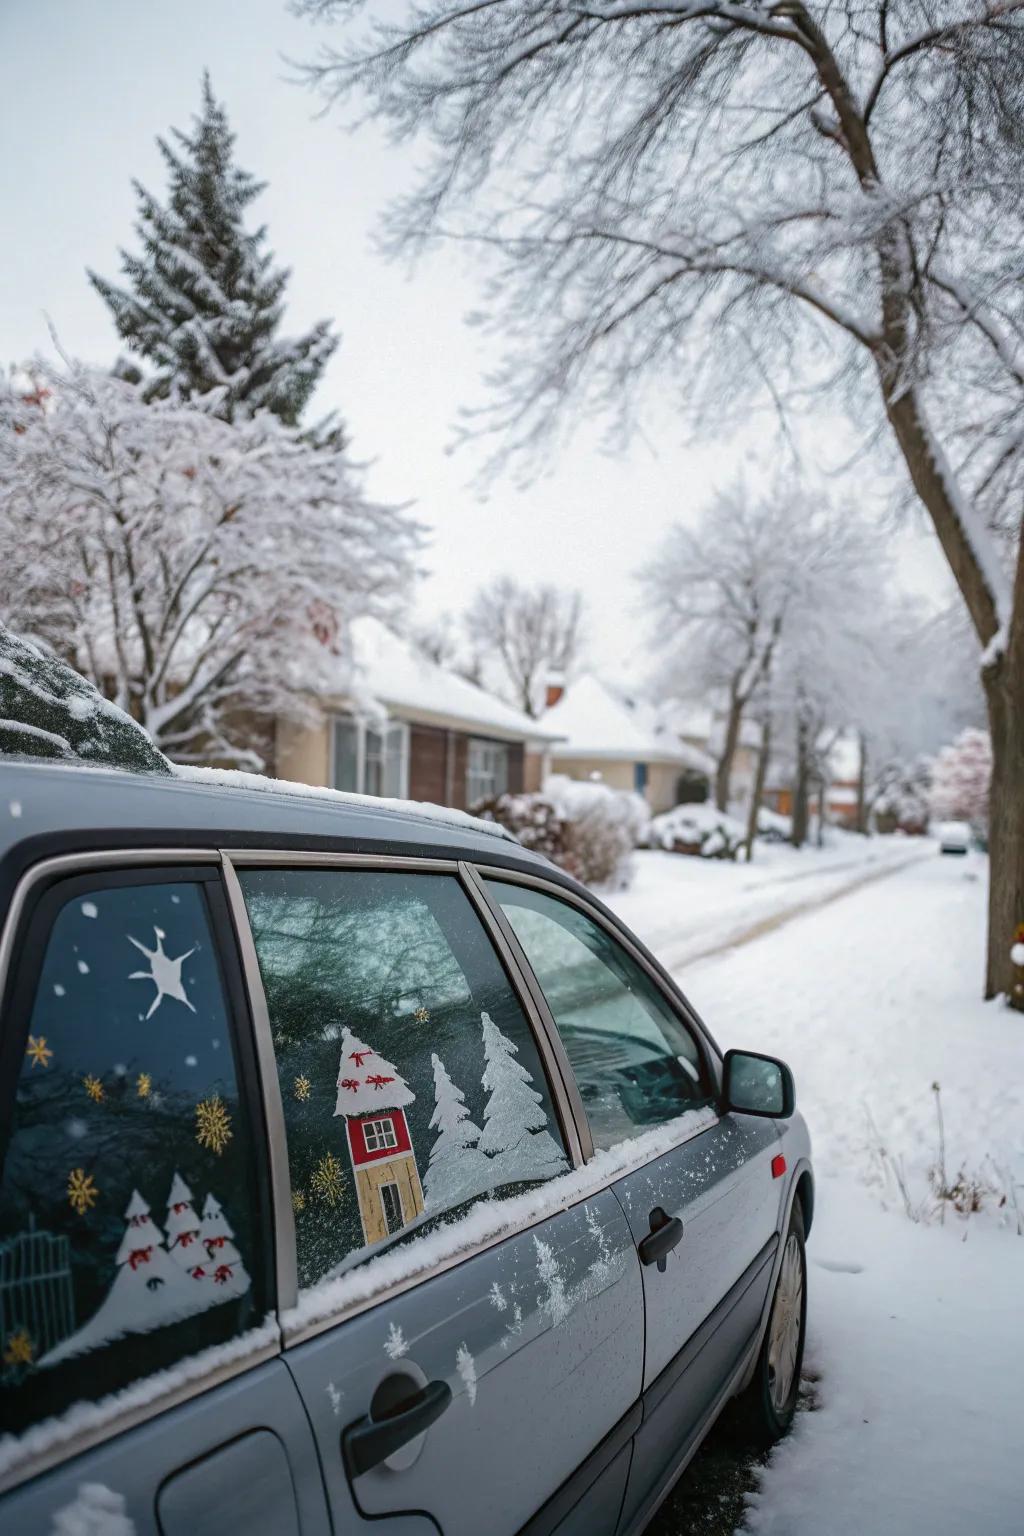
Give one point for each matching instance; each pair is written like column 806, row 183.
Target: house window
column 371, row 758
column 379, row 1135
column 640, row 778
column 391, row 1204
column 486, row 770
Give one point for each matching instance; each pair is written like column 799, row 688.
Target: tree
column 201, row 574
column 748, row 196
column 183, row 1229
column 720, row 591
column 531, row 632
column 204, row 301
column 962, row 777
column 223, row 1261
column 456, row 1169
column 515, row 1134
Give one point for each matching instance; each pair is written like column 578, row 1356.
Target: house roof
column 596, row 723
column 394, row 672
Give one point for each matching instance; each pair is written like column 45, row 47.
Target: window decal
column 367, row 1083
column 164, row 973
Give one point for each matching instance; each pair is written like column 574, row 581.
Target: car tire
column 766, row 1408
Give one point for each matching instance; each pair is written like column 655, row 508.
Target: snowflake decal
column 94, row 1088
column 164, row 972
column 303, row 1088
column 213, row 1124
column 82, row 1192
column 143, row 1085
column 328, row 1180
column 422, row 1015
column 37, row 1051
column 19, row 1349
column 298, row 1200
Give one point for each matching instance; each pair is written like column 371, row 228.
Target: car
column 363, row 1171
column 954, row 836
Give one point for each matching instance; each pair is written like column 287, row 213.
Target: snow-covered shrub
column 602, row 826
column 47, row 710
column 901, row 796
column 962, row 777
column 531, row 818
column 698, row 829
column 772, row 827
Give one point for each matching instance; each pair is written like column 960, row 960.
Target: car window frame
column 708, row 1053
column 561, row 1084
column 24, row 936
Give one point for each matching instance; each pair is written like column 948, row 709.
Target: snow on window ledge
column 346, row 1287
column 87, row 1418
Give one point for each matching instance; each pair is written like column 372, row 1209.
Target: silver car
column 361, row 1171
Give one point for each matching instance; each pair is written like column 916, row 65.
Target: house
column 702, row 728
column 411, row 730
column 602, row 736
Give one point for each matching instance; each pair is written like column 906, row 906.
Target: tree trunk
column 1004, row 695
column 802, row 785
column 723, row 774
column 862, row 783
column 760, row 774
column 820, row 838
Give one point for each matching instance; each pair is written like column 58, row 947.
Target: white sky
column 84, row 89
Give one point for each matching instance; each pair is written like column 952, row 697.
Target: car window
column 410, row 1080
column 635, row 1062
column 128, row 1206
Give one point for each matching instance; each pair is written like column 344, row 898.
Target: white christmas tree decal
column 224, row 1262
column 183, row 1230
column 366, row 1082
column 515, row 1134
column 164, row 972
column 457, row 1170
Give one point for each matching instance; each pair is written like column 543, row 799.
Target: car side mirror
column 758, row 1085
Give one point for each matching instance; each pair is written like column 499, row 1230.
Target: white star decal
column 164, row 973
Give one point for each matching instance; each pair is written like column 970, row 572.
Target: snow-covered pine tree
column 515, row 1135
column 203, row 300
column 457, row 1169
column 224, row 1262
column 183, row 1230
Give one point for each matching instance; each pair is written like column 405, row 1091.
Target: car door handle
column 370, row 1441
column 666, row 1231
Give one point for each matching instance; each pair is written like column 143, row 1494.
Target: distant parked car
column 954, row 837
column 358, row 1162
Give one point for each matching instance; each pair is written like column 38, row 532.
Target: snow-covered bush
column 602, row 828
column 772, row 827
column 587, row 829
column 962, row 777
column 901, row 796
column 698, row 829
column 47, row 710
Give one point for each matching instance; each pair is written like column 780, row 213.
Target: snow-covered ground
column 915, row 1325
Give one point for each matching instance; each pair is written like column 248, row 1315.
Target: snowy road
column 915, row 1326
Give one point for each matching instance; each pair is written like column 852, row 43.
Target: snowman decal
column 372, row 1097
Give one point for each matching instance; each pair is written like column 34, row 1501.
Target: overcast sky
column 84, row 89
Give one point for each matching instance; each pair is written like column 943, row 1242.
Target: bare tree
column 745, row 193
column 201, row 574
column 530, row 631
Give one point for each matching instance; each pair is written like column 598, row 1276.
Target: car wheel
column 767, row 1406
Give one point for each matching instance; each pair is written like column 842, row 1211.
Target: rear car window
column 410, row 1080
column 128, row 1207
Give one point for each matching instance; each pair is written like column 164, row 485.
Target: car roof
column 47, row 808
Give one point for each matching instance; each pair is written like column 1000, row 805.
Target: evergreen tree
column 457, row 1170
column 515, row 1134
column 204, row 301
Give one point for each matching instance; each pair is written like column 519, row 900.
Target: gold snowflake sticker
column 213, row 1124
column 19, row 1349
column 143, row 1085
column 298, row 1200
column 94, row 1088
column 302, row 1089
column 82, row 1192
column 327, row 1180
column 37, row 1051
column 422, row 1015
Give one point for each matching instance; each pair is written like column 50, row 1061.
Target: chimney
column 555, row 689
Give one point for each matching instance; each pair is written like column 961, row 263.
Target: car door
column 141, row 1384
column 467, row 1335
column 701, row 1181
